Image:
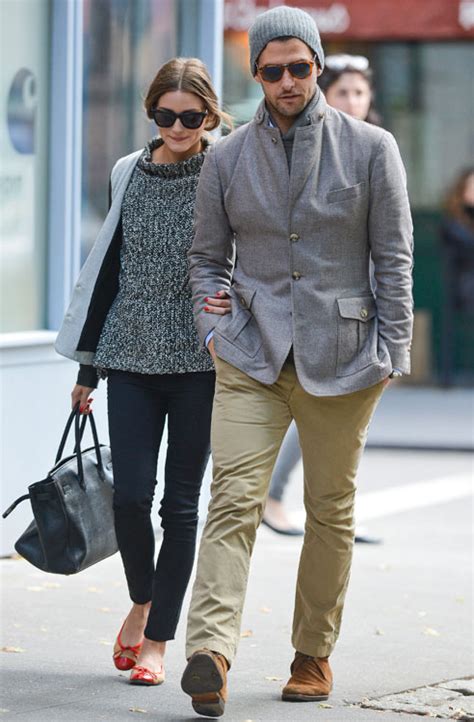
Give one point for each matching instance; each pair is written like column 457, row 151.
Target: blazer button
column 294, row 237
column 296, row 275
column 364, row 313
column 243, row 302
column 274, row 140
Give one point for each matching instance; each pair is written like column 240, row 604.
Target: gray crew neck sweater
column 150, row 326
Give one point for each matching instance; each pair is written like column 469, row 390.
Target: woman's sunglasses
column 191, row 119
column 273, row 73
column 342, row 61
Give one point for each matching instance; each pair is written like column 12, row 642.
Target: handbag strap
column 14, row 505
column 67, row 428
column 78, row 451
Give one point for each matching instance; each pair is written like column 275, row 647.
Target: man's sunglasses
column 274, row 73
column 191, row 119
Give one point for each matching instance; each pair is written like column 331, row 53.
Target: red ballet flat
column 125, row 658
column 144, row 676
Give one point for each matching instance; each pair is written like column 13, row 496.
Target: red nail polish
column 207, row 298
column 81, row 409
column 206, row 308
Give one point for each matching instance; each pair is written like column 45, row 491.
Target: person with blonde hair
column 131, row 320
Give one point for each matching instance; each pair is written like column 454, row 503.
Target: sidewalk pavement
column 407, row 624
column 424, row 417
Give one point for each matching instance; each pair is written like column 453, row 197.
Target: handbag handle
column 67, row 428
column 78, row 429
column 79, row 433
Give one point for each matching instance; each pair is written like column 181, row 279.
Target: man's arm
column 391, row 241
column 211, row 257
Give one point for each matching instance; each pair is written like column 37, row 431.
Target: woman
column 457, row 237
column 347, row 84
column 131, row 319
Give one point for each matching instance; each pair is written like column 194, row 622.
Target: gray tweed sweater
column 150, row 326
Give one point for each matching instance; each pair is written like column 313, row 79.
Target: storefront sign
column 375, row 20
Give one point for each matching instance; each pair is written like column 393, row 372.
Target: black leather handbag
column 73, row 524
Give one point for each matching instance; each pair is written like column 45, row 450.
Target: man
column 290, row 209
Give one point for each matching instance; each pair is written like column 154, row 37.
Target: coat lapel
column 306, row 158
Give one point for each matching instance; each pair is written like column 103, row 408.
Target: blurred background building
column 72, row 76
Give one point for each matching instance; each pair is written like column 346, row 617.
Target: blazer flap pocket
column 345, row 194
column 243, row 296
column 360, row 308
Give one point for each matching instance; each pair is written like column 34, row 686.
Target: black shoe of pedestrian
column 287, row 531
column 361, row 538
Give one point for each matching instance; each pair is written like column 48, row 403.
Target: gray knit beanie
column 281, row 22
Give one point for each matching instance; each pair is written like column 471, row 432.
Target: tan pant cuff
column 314, row 649
column 213, row 645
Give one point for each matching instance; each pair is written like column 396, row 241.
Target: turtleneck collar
column 181, row 169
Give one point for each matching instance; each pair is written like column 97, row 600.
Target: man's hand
column 219, row 304
column 210, row 348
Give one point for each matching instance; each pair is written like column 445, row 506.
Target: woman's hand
column 219, row 304
column 82, row 395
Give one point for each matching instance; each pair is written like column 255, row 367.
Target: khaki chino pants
column 249, row 422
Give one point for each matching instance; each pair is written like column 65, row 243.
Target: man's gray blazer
column 293, row 250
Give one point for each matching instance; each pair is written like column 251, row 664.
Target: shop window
column 125, row 42
column 24, row 98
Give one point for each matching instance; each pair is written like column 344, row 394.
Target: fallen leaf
column 430, row 632
column 137, row 709
column 13, row 650
column 274, row 679
column 323, row 705
column 35, row 589
column 51, row 585
column 265, row 610
column 379, row 632
column 246, row 633
column 460, row 600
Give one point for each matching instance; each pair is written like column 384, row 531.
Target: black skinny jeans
column 138, row 405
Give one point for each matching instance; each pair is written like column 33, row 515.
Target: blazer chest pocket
column 241, row 329
column 356, row 334
column 346, row 194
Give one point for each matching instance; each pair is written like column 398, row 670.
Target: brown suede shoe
column 310, row 681
column 205, row 680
